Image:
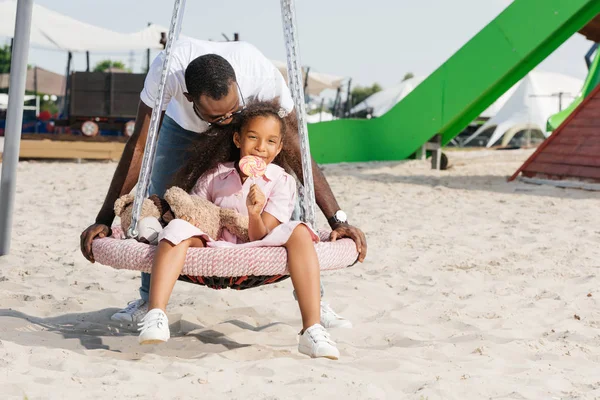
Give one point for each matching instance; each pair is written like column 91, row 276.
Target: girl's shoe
column 133, row 313
column 154, row 327
column 148, row 230
column 331, row 319
column 315, row 342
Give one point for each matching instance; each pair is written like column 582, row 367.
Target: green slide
column 502, row 53
column 590, row 83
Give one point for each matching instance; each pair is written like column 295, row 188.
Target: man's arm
column 323, row 194
column 124, row 179
column 128, row 169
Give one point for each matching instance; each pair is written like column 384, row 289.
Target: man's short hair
column 209, row 75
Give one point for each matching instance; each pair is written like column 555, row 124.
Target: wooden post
column 436, row 158
column 435, row 145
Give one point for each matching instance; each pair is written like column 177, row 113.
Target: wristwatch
column 339, row 217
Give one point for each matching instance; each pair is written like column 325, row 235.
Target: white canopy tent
column 496, row 106
column 529, row 105
column 317, row 81
column 381, row 102
column 52, row 30
column 319, row 117
column 4, row 100
column 152, row 35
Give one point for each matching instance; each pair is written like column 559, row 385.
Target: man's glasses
column 228, row 116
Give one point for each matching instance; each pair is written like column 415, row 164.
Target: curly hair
column 216, row 145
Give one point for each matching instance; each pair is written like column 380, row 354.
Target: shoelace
column 132, row 305
column 326, row 309
column 317, row 333
column 152, row 319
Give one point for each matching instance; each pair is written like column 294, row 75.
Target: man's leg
column 329, row 318
column 171, row 154
column 297, row 216
column 171, row 151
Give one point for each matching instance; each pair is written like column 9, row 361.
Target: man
column 208, row 83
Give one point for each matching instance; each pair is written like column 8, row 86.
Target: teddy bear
column 177, row 203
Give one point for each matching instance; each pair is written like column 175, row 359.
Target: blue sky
column 374, row 41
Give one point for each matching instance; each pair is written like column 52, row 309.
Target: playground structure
column 569, row 157
column 461, row 88
column 571, row 152
column 591, row 81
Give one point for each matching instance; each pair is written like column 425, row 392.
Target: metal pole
column 14, row 120
column 35, row 81
column 150, row 150
column 348, row 98
column 12, row 43
column 148, row 55
column 35, row 93
column 67, row 110
column 335, row 103
column 560, row 97
column 321, row 110
column 288, row 14
column 306, row 84
column 87, row 61
column 589, row 54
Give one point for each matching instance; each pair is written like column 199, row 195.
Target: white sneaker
column 148, row 230
column 133, row 313
column 315, row 342
column 154, row 327
column 330, row 319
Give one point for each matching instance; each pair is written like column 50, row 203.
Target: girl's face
column 260, row 137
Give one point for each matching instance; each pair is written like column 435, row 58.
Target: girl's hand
column 255, row 201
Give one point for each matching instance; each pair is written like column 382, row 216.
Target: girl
column 269, row 203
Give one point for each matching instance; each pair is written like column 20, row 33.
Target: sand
column 473, row 288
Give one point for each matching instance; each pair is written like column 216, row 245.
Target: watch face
column 341, row 216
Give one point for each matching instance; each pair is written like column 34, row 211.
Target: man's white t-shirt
column 257, row 77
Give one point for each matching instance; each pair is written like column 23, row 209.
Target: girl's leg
column 305, row 273
column 303, row 264
column 168, row 263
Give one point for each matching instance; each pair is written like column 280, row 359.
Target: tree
column 4, row 59
column 359, row 93
column 407, row 76
column 104, row 65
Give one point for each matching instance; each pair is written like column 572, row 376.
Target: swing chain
column 288, row 14
column 150, row 149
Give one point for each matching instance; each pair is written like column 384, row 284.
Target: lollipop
column 253, row 166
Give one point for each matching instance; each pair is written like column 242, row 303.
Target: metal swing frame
column 294, row 66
